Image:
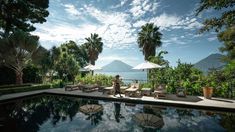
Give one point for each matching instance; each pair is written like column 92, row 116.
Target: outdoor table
column 181, row 92
column 108, row 90
column 146, row 91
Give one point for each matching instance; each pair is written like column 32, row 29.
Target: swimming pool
column 58, row 113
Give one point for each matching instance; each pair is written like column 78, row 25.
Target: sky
column 119, row 21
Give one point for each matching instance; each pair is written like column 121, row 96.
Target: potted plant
column 208, row 89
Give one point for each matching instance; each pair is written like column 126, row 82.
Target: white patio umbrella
column 90, row 67
column 147, row 65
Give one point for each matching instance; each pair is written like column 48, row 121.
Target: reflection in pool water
column 57, row 113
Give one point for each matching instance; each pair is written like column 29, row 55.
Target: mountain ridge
column 117, row 66
column 209, row 62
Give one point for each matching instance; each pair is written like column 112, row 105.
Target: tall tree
column 22, row 14
column 228, row 37
column 227, row 18
column 66, row 65
column 224, row 24
column 149, row 38
column 79, row 52
column 94, row 47
column 16, row 51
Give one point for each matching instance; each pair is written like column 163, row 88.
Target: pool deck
column 198, row 102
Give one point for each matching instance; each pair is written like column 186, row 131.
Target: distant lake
column 127, row 76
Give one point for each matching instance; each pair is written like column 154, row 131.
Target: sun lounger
column 90, row 88
column 160, row 92
column 146, row 91
column 132, row 91
column 71, row 87
column 108, row 90
column 123, row 88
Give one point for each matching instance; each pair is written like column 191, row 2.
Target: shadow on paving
column 222, row 100
column 186, row 99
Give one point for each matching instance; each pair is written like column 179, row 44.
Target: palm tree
column 16, row 51
column 159, row 58
column 94, row 47
column 149, row 38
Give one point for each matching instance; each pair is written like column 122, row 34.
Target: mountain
column 212, row 61
column 117, row 66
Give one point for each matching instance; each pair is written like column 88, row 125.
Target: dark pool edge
column 137, row 101
column 126, row 100
column 2, row 101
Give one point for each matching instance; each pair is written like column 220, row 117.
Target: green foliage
column 159, row 59
column 182, row 76
column 146, row 85
column 149, row 38
column 24, row 89
column 79, row 52
column 31, row 74
column 224, row 24
column 22, row 14
column 228, row 37
column 67, row 66
column 16, row 51
column 93, row 47
column 227, row 18
column 57, row 83
column 99, row 79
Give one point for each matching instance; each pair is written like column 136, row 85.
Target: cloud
column 140, row 7
column 59, row 33
column 173, row 40
column 139, row 23
column 114, row 28
column 169, row 21
column 166, row 21
column 211, row 38
column 117, row 29
column 122, row 2
column 71, row 9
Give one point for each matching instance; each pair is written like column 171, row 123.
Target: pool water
column 49, row 113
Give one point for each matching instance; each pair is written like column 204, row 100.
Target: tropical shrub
column 57, row 83
column 103, row 80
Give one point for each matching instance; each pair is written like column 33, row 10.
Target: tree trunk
column 92, row 62
column 19, row 77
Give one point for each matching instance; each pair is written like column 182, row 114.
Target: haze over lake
column 127, row 76
column 126, row 72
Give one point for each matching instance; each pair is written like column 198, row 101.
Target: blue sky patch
column 119, row 21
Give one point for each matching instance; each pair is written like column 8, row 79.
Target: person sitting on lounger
column 116, row 85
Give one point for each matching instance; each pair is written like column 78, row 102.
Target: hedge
column 15, row 85
column 24, row 89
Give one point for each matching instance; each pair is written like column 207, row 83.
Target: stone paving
column 170, row 100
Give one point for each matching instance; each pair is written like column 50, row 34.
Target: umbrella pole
column 147, row 75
